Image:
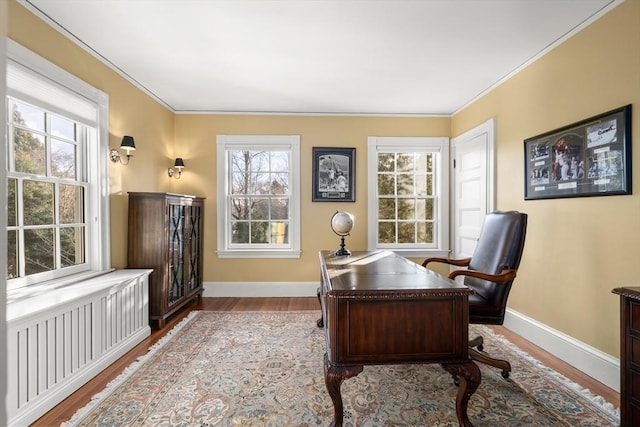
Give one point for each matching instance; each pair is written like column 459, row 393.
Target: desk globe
column 341, row 224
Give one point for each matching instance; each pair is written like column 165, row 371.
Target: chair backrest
column 499, row 247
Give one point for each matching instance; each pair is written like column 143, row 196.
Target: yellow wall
column 577, row 250
column 131, row 112
column 196, row 143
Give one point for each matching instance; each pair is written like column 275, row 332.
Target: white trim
column 256, row 253
column 593, row 362
column 310, row 113
column 4, row 9
column 95, row 160
column 260, row 289
column 56, row 83
column 418, row 253
column 488, row 127
column 439, row 145
column 290, row 143
column 457, row 143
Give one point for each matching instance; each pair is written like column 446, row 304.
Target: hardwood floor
column 82, row 396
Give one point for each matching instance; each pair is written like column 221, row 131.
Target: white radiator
column 58, row 341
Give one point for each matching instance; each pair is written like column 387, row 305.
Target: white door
column 473, row 192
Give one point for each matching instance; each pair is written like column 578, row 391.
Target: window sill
column 418, row 253
column 259, row 254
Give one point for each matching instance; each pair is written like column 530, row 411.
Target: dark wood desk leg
column 320, row 321
column 469, row 375
column 333, row 378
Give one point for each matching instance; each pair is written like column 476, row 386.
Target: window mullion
column 20, row 224
column 260, row 162
column 56, row 224
column 415, row 169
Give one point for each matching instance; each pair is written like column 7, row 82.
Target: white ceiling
column 318, row 56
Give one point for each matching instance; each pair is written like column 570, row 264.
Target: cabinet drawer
column 634, row 314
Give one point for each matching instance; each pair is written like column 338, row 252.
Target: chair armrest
column 457, row 262
column 503, row 277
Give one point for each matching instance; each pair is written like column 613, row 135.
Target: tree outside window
column 408, row 195
column 405, row 198
column 259, row 183
column 259, row 197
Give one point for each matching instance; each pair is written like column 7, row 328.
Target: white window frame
column 226, row 143
column 95, row 160
column 440, row 147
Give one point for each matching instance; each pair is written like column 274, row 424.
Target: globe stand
column 342, row 251
column 341, row 224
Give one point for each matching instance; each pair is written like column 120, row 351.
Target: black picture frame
column 334, row 174
column 588, row 158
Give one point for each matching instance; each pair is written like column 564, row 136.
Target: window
column 56, row 155
column 259, row 181
column 408, row 202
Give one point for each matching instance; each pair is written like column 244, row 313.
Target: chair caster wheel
column 456, row 381
column 480, row 347
column 320, row 323
column 505, row 374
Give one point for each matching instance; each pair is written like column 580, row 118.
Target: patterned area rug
column 265, row 369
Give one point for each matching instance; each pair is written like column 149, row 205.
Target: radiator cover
column 58, row 341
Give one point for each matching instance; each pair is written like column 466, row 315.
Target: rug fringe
column 128, row 371
column 598, row 401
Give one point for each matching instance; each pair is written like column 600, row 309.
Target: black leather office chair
column 490, row 272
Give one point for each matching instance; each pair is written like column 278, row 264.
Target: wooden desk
column 380, row 308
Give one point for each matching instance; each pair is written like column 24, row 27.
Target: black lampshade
column 179, row 163
column 128, row 143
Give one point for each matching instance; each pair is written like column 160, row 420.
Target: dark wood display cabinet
column 629, row 356
column 165, row 234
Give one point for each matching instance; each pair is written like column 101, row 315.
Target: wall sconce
column 177, row 172
column 129, row 145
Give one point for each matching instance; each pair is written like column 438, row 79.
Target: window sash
column 23, row 227
column 64, row 96
column 396, row 224
column 280, row 236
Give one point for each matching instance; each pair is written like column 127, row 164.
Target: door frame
column 487, row 127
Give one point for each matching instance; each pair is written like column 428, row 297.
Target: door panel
column 470, row 195
column 472, row 186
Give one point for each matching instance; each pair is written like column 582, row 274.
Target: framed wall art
column 334, row 174
column 588, row 158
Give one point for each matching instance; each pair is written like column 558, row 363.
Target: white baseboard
column 260, row 289
column 593, row 362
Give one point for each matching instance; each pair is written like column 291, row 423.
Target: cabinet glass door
column 176, row 253
column 193, row 281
